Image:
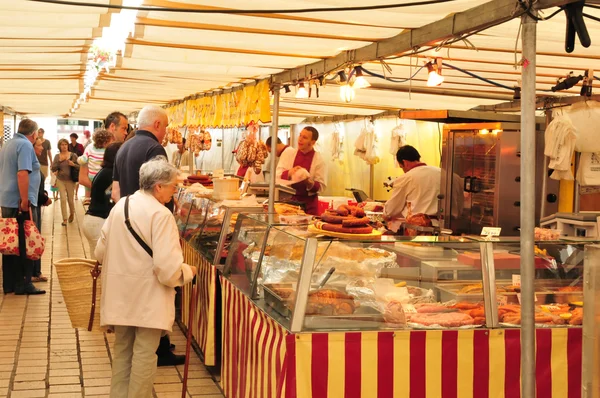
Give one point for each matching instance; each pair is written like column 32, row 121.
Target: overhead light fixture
column 347, row 93
column 343, row 77
column 287, row 88
column 302, row 92
column 360, row 81
column 435, row 73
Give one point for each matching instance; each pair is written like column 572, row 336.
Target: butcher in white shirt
column 419, row 186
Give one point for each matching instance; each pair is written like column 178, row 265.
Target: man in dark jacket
column 146, row 144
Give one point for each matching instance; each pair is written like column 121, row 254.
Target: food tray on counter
column 451, row 291
column 272, row 297
column 363, row 318
column 374, row 235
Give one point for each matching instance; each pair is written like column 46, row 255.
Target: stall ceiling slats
column 176, row 54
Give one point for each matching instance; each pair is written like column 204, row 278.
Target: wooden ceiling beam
column 140, row 42
column 242, row 29
column 174, row 4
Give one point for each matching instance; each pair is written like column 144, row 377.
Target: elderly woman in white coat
column 138, row 284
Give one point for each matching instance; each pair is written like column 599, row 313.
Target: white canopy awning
column 43, row 50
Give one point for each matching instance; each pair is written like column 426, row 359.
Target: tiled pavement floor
column 42, row 356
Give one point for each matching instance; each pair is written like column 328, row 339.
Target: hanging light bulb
column 343, row 77
column 302, row 92
column 435, row 73
column 347, row 93
column 360, row 81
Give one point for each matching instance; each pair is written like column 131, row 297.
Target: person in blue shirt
column 20, row 176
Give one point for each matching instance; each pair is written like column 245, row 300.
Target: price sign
column 409, row 309
column 490, row 231
column 501, row 300
column 516, row 280
column 218, row 173
column 519, row 297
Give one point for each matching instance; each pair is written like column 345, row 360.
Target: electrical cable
column 528, row 7
column 396, row 80
column 228, row 11
column 392, row 79
column 461, row 38
column 466, row 72
column 591, row 17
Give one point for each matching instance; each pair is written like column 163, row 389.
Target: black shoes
column 171, row 359
column 29, row 289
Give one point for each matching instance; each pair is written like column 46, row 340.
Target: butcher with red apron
column 309, row 182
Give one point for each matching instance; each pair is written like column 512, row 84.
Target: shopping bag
column 34, row 241
column 9, row 238
column 81, row 293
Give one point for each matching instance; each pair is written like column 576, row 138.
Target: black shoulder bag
column 130, row 228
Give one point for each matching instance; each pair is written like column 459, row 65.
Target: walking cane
column 188, row 343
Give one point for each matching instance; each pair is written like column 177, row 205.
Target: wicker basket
column 76, row 284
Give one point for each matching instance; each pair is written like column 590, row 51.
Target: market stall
column 207, row 206
column 294, row 328
column 205, row 222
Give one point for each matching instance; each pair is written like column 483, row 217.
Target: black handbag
column 74, row 170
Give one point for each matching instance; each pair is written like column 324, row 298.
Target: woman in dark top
column 43, row 200
column 100, row 202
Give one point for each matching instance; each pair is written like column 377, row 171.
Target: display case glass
column 314, row 283
column 207, row 224
column 558, row 283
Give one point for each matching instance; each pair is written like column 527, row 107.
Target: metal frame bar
column 254, row 287
column 306, row 269
column 488, row 270
column 590, row 383
column 226, row 221
column 273, row 174
column 528, row 168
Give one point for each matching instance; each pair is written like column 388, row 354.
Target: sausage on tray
column 340, row 229
column 355, row 222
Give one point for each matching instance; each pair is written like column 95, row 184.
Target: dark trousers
column 17, row 270
column 164, row 347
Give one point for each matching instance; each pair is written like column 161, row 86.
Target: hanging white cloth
column 398, row 139
column 560, row 143
column 588, row 173
column 366, row 145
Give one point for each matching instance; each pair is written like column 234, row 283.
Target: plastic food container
column 226, row 189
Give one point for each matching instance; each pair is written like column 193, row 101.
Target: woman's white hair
column 149, row 114
column 156, row 171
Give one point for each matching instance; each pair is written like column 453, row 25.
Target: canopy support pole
column 274, row 130
column 223, row 149
column 528, row 207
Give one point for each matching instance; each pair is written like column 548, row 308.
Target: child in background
column 93, row 156
column 53, row 187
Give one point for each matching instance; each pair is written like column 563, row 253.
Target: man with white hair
column 152, row 128
column 152, row 123
column 146, row 144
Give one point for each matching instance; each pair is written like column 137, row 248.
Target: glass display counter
column 309, row 282
column 207, row 224
column 206, row 227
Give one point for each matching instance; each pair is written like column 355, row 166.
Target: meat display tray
column 363, row 318
column 273, row 300
column 451, row 291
